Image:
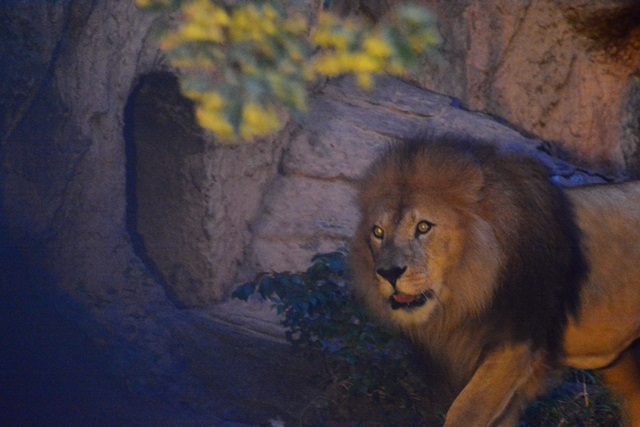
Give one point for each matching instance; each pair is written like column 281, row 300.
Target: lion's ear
column 473, row 182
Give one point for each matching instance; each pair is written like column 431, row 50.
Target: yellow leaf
column 365, row 80
column 328, row 65
column 365, row 64
column 214, row 122
column 377, row 47
column 258, row 121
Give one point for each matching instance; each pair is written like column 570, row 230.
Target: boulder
column 309, row 207
column 192, row 201
column 565, row 71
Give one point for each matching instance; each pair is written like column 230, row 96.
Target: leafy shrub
column 320, row 314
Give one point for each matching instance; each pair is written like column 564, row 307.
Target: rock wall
column 68, row 69
column 194, row 200
column 565, row 71
column 63, row 157
column 310, row 208
column 104, row 169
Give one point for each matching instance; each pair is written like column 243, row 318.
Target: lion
column 502, row 277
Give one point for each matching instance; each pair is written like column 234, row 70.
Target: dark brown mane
column 532, row 219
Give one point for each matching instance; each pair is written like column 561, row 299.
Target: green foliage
column 246, row 64
column 320, row 314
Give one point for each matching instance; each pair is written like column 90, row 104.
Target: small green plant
column 321, row 314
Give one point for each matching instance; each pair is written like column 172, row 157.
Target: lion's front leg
column 504, row 383
column 623, row 378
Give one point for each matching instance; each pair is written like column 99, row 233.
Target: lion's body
column 500, row 276
column 609, row 319
column 605, row 334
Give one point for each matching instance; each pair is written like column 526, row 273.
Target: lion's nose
column 392, row 274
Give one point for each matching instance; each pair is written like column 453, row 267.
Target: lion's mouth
column 406, row 301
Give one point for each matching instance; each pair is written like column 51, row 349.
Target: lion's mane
column 520, row 232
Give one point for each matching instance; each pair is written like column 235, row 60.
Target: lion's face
column 423, row 248
column 413, row 250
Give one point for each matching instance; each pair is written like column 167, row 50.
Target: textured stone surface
column 309, row 206
column 564, row 71
column 213, row 215
column 302, row 216
column 63, row 179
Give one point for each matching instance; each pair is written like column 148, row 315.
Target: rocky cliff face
column 70, row 68
column 192, row 202
column 104, row 167
column 566, row 71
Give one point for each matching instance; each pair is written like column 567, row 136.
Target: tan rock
column 565, row 71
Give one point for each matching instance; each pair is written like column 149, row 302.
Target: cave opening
column 163, row 146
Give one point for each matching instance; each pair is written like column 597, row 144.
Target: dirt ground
column 53, row 372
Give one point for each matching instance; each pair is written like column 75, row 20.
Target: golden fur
column 500, row 276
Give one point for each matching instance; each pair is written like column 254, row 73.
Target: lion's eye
column 378, row 232
column 423, row 227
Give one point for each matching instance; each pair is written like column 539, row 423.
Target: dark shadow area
column 166, row 184
column 52, row 373
column 131, row 165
